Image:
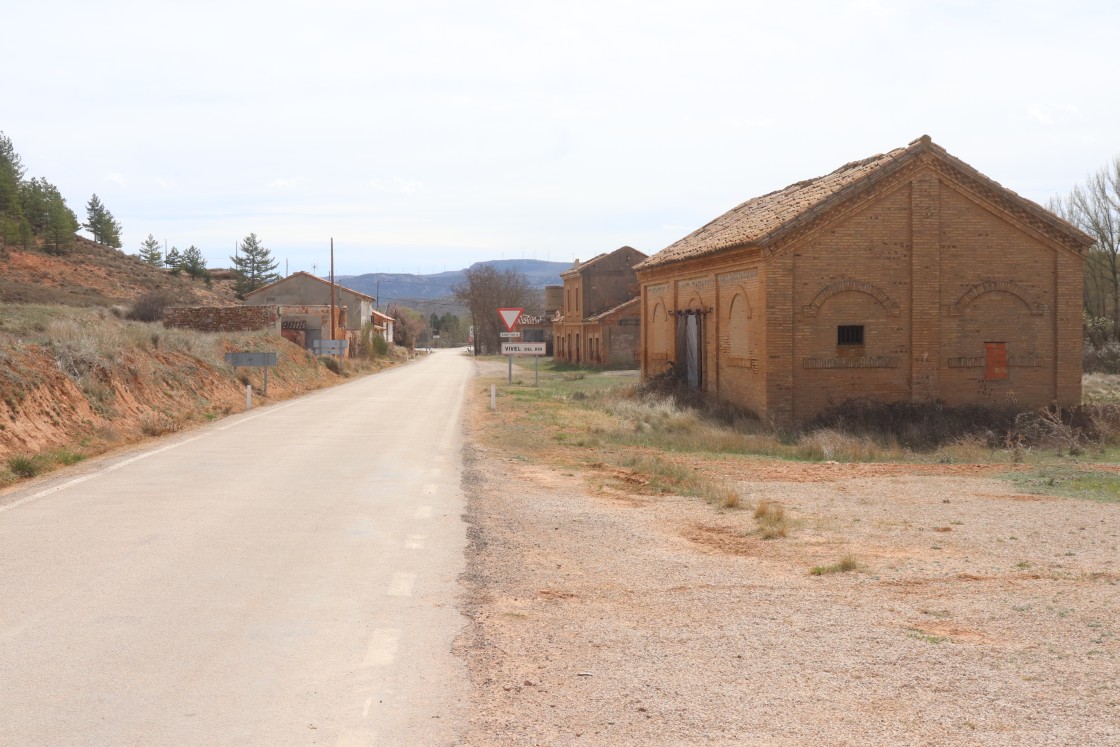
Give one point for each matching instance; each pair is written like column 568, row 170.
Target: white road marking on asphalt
column 423, row 512
column 401, row 585
column 382, row 647
column 365, row 711
column 132, row 460
column 415, row 541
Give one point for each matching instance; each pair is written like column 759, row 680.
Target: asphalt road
column 282, row 577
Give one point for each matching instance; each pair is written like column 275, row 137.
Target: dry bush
column 84, row 349
column 831, row 445
column 771, row 518
column 159, row 424
column 149, row 307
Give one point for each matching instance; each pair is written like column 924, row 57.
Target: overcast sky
column 425, row 136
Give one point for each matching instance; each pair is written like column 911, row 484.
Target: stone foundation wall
column 223, row 318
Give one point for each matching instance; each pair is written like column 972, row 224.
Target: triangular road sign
column 510, row 317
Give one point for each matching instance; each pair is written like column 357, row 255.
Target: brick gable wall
column 931, row 271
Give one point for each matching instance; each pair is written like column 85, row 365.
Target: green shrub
column 23, row 466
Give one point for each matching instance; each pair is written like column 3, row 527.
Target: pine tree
column 48, row 216
column 13, row 226
column 253, row 265
column 193, row 263
column 174, row 260
column 101, row 223
column 150, row 252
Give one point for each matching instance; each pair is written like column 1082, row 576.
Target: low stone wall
column 223, row 318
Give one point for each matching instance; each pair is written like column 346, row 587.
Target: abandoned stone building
column 599, row 322
column 306, row 326
column 907, row 276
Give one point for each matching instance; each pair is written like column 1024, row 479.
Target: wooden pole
column 332, row 288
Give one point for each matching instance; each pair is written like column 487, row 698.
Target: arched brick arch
column 739, row 295
column 738, row 315
column 694, row 304
column 844, row 286
column 1037, row 308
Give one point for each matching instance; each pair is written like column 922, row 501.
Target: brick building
column 599, row 322
column 907, row 276
column 353, row 310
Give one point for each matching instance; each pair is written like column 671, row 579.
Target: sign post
column 256, row 360
column 535, row 349
column 509, row 318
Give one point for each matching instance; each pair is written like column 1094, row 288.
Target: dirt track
column 978, row 615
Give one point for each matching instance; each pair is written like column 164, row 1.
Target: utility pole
column 332, row 287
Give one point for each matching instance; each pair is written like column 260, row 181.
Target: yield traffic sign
column 510, row 317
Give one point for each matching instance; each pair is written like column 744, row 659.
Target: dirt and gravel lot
column 598, row 615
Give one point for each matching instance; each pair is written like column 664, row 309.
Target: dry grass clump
column 771, row 518
column 82, row 347
column 844, row 565
column 827, row 444
column 159, row 424
column 664, row 476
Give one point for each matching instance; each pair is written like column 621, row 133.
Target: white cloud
column 397, row 185
column 1052, row 115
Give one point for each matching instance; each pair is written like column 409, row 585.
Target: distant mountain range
column 413, row 290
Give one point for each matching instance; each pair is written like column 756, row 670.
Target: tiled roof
column 576, row 269
column 604, row 314
column 281, row 281
column 759, row 220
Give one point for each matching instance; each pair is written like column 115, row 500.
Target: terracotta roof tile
column 604, row 314
column 756, row 219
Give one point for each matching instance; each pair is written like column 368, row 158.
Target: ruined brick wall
column 223, row 318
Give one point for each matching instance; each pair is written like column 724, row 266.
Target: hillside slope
column 96, row 275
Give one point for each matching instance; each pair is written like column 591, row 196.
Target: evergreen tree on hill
column 150, row 252
column 101, row 223
column 194, row 264
column 46, row 212
column 174, row 260
column 14, row 228
column 253, row 265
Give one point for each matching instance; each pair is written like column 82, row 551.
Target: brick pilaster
column 925, row 284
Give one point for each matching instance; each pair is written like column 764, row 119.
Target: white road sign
column 509, row 317
column 523, row 348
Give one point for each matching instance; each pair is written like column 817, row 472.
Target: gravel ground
column 978, row 616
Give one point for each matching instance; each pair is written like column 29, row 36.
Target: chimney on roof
column 576, row 264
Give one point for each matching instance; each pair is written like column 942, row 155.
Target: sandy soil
column 978, row 615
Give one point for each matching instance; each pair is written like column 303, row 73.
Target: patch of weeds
column 26, row 466
column 1022, row 564
column 844, row 565
column 921, row 635
column 65, row 456
column 771, row 518
column 1070, row 481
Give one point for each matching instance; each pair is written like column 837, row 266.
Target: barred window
column 849, row 334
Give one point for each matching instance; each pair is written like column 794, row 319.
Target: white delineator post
column 493, row 396
column 248, row 396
